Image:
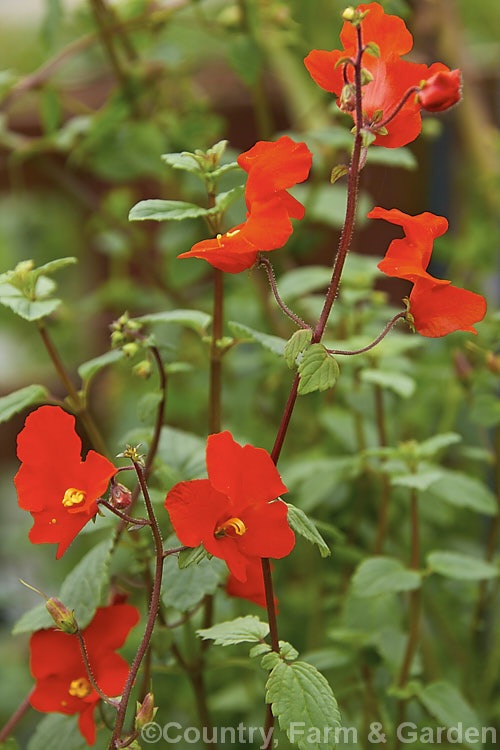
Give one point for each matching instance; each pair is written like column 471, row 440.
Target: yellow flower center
column 80, row 688
column 235, row 525
column 219, row 238
column 73, row 497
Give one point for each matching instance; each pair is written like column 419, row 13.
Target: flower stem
column 412, row 90
column 214, row 417
column 75, row 399
column 373, row 343
column 264, row 263
column 153, row 611
column 16, row 717
column 90, row 674
column 124, row 516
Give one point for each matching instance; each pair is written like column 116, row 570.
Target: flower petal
column 268, row 533
column 194, row 508
column 441, row 309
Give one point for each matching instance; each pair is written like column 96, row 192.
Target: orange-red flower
column 53, row 483
column 437, row 307
column 234, row 513
column 272, row 167
column 252, row 589
column 441, row 91
column 62, row 683
column 392, row 76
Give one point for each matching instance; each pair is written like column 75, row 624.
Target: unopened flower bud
column 347, row 101
column 117, row 339
column 440, row 91
column 63, row 617
column 143, row 369
column 120, row 496
column 366, row 76
column 353, row 15
column 130, row 349
column 145, row 712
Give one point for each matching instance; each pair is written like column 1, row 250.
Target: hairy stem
column 124, row 516
column 16, row 717
column 153, row 611
column 374, row 342
column 90, row 674
column 264, row 263
column 214, row 417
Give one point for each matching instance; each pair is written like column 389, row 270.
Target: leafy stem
column 153, row 610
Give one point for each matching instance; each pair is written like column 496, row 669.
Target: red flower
column 252, row 589
column 437, row 307
column 62, row 684
column 54, row 484
column 392, row 77
column 441, row 91
column 272, row 167
column 232, row 513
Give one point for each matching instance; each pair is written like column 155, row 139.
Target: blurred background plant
column 93, row 93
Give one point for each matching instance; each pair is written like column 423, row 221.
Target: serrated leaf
column 430, row 447
column 318, row 370
column 247, row 629
column 296, row 344
column 57, row 732
column 81, row 590
column 195, row 319
column 462, row 567
column 446, row 704
column 26, row 308
column 163, row 210
column 303, row 525
column 419, row 480
column 273, row 344
column 383, row 575
column 18, row 400
column 337, row 172
column 464, row 491
column 398, row 382
column 88, row 369
column 304, row 703
column 192, row 556
column 224, row 200
column 184, row 587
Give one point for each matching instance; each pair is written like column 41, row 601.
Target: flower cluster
column 234, row 513
column 62, row 682
column 53, row 483
column 436, row 307
column 396, row 89
column 272, row 167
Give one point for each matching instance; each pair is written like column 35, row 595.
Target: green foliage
column 303, row 525
column 446, row 704
column 58, row 732
column 296, row 344
column 464, row 491
column 195, row 319
column 398, row 382
column 247, row 629
column 463, row 567
column 274, row 344
column 19, row 400
column 383, row 575
column 167, row 210
column 88, row 370
column 184, row 587
column 318, row 370
column 81, row 591
column 304, row 704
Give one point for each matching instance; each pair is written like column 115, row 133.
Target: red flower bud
column 120, row 496
column 441, row 91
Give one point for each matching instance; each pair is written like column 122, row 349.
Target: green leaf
column 296, row 344
column 433, row 445
column 19, row 400
column 224, row 200
column 318, row 370
column 195, row 319
column 25, row 308
column 301, row 281
column 52, row 266
column 464, row 491
column 304, row 703
column 247, row 629
column 337, row 172
column 184, row 161
column 398, row 382
column 57, row 732
column 88, row 369
column 392, row 157
column 184, row 587
column 446, row 704
column 273, row 344
column 81, row 591
column 419, row 480
column 383, row 575
column 462, row 567
column 303, row 525
column 245, row 58
column 192, row 556
column 161, row 210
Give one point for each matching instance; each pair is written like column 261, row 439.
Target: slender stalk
column 124, row 516
column 411, row 645
column 90, row 674
column 100, row 12
column 374, row 342
column 76, row 402
column 16, row 717
column 265, row 263
column 153, row 611
column 383, row 515
column 412, row 90
column 214, row 417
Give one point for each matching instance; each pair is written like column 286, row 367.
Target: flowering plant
column 359, row 473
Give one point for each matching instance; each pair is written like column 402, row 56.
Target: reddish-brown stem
column 90, row 674
column 214, row 417
column 153, row 611
column 124, row 516
column 383, row 123
column 383, row 515
column 264, row 263
column 374, row 342
column 16, row 717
